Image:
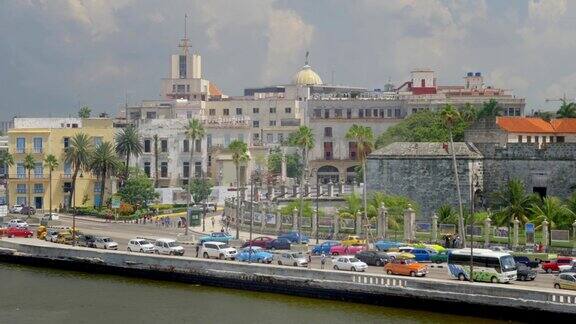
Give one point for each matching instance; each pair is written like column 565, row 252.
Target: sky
column 58, row 55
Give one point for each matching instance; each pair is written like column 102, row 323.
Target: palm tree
column 303, row 139
column 567, row 110
column 194, row 131
column 447, row 215
column 29, row 165
column 127, row 144
column 103, row 162
column 239, row 155
column 84, row 112
column 156, row 176
column 51, row 163
column 6, row 160
column 554, row 211
column 364, row 138
column 77, row 154
column 490, row 109
column 451, row 116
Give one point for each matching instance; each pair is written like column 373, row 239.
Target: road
column 123, row 232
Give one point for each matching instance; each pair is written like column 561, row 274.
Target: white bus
column 489, row 266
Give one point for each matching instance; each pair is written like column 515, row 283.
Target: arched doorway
column 328, row 173
column 351, row 174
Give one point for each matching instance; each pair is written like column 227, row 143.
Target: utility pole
column 205, row 203
column 317, row 204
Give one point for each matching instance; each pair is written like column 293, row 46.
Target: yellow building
column 41, row 137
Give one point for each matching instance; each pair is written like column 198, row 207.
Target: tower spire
column 185, row 42
column 307, row 54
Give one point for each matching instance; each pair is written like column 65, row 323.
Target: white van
column 168, row 246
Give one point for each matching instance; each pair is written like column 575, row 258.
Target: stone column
column 306, row 189
column 545, row 234
column 295, row 219
column 278, row 221
column 409, row 223
column 295, row 190
column 341, row 188
column 336, row 224
column 358, row 223
column 314, row 222
column 271, row 193
column 283, row 190
column 434, row 228
column 487, row 230
column 515, row 241
column 330, row 189
column 382, row 214
column 283, row 168
column 354, row 186
column 319, row 191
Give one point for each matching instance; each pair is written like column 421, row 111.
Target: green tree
column 567, row 110
column 352, row 205
column 303, row 139
column 293, row 164
column 29, row 165
column 452, row 117
column 77, row 154
column 200, row 189
column 447, row 215
column 138, row 190
column 51, row 162
column 84, row 112
column 194, row 131
column 103, row 163
column 555, row 212
column 6, row 160
column 395, row 206
column 128, row 144
column 239, row 151
column 490, row 109
column 308, row 210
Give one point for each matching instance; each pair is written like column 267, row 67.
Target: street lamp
column 317, row 203
column 474, row 191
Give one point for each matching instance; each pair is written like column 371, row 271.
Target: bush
column 161, row 207
column 125, row 209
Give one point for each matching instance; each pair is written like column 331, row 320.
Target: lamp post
column 474, row 191
column 317, row 205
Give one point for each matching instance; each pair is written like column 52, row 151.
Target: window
column 560, row 139
column 20, row 145
column 67, row 187
column 238, row 111
column 255, row 123
column 147, row 148
column 397, row 113
column 519, row 138
column 352, row 150
column 272, row 110
column 327, row 150
column 187, row 88
column 147, row 169
column 37, row 144
column 528, row 139
column 317, row 113
column 226, row 112
column 212, row 112
column 188, row 114
column 375, row 112
column 255, row 110
column 389, row 113
column 164, row 146
column 164, row 170
column 208, row 140
column 348, row 113
column 186, row 146
column 198, row 169
column 186, row 169
column 326, row 113
column 368, row 113
column 423, row 83
column 381, row 113
column 327, row 131
column 20, row 171
column 338, row 113
column 67, row 170
column 280, row 137
column 21, row 201
column 255, row 136
column 536, row 139
column 361, row 113
column 269, row 138
column 272, row 123
column 182, row 66
column 21, row 188
column 198, row 145
column 66, row 142
column 151, row 115
column 180, row 88
column 288, row 110
column 226, row 140
column 209, row 160
column 38, row 188
column 38, row 170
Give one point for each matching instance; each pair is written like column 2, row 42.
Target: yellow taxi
column 353, row 240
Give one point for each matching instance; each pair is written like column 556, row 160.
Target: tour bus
column 489, row 266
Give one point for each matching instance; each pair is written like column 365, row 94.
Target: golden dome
column 306, row 76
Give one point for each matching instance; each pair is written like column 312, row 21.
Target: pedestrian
column 213, row 222
column 322, row 260
column 309, row 260
column 179, row 224
column 197, row 249
column 222, row 230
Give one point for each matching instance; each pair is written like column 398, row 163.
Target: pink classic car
column 346, row 250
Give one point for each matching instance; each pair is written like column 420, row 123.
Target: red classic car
column 552, row 265
column 18, row 232
column 262, row 241
column 346, row 250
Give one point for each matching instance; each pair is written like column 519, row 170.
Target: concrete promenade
column 443, row 295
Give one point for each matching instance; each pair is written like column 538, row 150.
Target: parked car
column 400, row 255
column 348, row 262
column 553, row 265
column 168, row 246
column 217, row 250
column 524, row 273
column 254, row 254
column 353, row 240
column 279, row 244
column 565, row 280
column 526, row 261
column 16, row 209
column 571, row 267
column 386, row 245
column 216, row 237
column 324, row 248
column 17, row 222
column 297, row 259
column 19, row 232
column 86, row 240
column 423, row 255
column 28, row 210
column 106, row 243
column 64, row 238
column 295, row 237
column 51, row 235
column 261, row 241
column 406, row 267
column 497, row 248
column 50, row 216
column 375, row 258
column 140, row 245
column 440, row 257
column 344, row 250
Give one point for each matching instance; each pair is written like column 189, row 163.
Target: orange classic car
column 406, row 268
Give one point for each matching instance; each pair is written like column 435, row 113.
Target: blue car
column 324, row 248
column 387, row 245
column 279, row 244
column 422, row 255
column 295, row 237
column 254, row 254
column 216, row 237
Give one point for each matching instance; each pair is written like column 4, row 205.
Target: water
column 40, row 295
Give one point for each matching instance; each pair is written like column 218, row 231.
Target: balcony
column 21, row 190
column 38, row 150
column 66, row 176
column 39, row 176
column 38, row 190
column 20, row 150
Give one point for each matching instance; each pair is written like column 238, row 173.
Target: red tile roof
column 564, row 125
column 536, row 125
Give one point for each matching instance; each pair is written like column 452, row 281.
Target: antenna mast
column 185, row 42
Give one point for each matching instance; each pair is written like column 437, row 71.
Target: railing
column 38, row 150
column 66, row 176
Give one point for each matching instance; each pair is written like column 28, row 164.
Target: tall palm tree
column 567, row 110
column 77, row 154
column 156, row 176
column 364, row 138
column 127, row 144
column 51, row 163
column 554, row 211
column 194, row 131
column 239, row 151
column 303, row 139
column 29, row 165
column 6, row 160
column 104, row 162
column 451, row 116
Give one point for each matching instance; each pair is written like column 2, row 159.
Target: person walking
column 197, row 249
column 309, row 260
column 322, row 260
column 213, row 223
